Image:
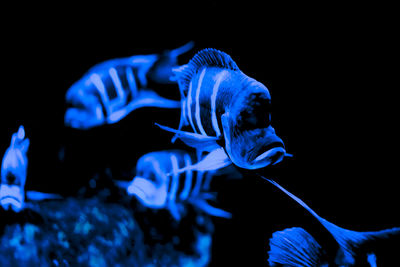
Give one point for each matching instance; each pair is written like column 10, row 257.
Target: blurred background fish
column 112, row 89
column 14, row 172
column 226, row 108
column 159, row 185
column 296, row 247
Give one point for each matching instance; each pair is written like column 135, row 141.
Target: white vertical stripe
column 117, row 82
column 131, row 80
column 197, row 111
column 214, row 120
column 207, row 182
column 197, row 187
column 189, row 103
column 175, row 178
column 188, row 179
column 96, row 80
column 160, row 175
column 99, row 113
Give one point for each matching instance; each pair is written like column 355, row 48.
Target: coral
column 94, row 232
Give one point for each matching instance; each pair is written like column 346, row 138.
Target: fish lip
column 268, row 148
column 10, row 196
column 136, row 187
column 141, row 190
column 270, row 153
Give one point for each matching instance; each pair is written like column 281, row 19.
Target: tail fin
column 347, row 239
column 294, row 247
column 182, row 49
column 203, row 205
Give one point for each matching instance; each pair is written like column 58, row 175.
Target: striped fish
column 159, row 185
column 354, row 248
column 13, row 175
column 112, row 89
column 224, row 108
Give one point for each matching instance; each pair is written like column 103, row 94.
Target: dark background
column 332, row 72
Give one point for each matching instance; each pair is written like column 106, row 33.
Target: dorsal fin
column 347, row 239
column 208, row 57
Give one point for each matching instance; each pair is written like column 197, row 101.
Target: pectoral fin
column 215, row 160
column 198, row 141
column 207, row 208
column 145, row 98
column 39, row 196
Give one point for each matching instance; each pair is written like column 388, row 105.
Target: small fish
column 226, row 109
column 353, row 246
column 13, row 175
column 112, row 89
column 158, row 184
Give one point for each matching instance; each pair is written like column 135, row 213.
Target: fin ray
column 215, row 160
column 208, row 57
column 198, row 141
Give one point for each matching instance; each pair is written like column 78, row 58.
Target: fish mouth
column 136, row 189
column 273, row 154
column 10, row 197
column 147, row 192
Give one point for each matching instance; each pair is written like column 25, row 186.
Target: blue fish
column 224, row 108
column 308, row 250
column 295, row 247
column 109, row 91
column 158, row 184
column 13, row 175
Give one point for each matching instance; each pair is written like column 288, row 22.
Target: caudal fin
column 294, row 247
column 347, row 239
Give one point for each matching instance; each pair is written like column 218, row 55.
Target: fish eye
column 257, row 112
column 10, row 178
column 148, row 174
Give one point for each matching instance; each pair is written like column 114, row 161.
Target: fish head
column 250, row 140
column 84, row 109
column 149, row 185
column 14, row 171
column 148, row 192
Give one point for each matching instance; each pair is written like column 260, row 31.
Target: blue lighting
column 221, row 103
column 111, row 90
column 167, row 180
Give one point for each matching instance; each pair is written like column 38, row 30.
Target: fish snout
column 271, row 153
column 11, row 197
column 147, row 192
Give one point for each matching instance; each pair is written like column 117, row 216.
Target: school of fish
column 225, row 117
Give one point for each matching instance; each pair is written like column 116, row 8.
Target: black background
column 332, row 72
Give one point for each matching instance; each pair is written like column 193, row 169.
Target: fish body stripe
column 98, row 83
column 130, row 77
column 198, row 185
column 188, row 179
column 203, row 102
column 189, row 104
column 214, row 120
column 175, row 178
column 156, row 165
column 197, row 111
column 117, row 83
